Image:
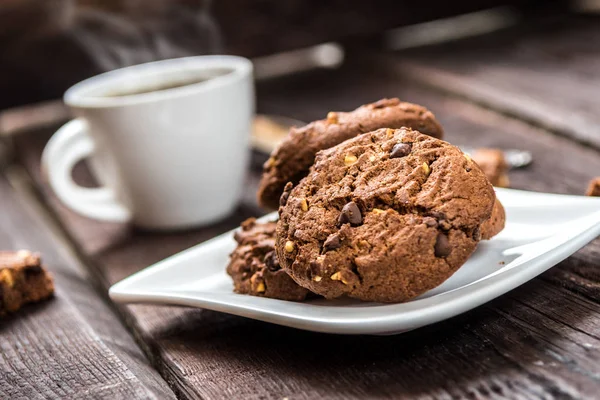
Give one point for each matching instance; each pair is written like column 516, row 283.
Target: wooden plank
column 38, row 115
column 311, row 22
column 47, row 47
column 71, row 346
column 547, row 73
column 540, row 341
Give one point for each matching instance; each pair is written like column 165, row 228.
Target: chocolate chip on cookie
column 332, row 242
column 291, row 160
column 350, row 214
column 271, row 261
column 400, row 150
column 384, row 228
column 442, row 245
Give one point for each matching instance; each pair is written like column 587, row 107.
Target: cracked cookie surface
column 383, row 217
column 254, row 266
column 291, row 160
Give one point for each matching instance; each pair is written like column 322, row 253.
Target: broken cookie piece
column 23, row 280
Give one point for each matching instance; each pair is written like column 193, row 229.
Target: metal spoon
column 514, row 158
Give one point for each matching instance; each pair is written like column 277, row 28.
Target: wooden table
column 533, row 87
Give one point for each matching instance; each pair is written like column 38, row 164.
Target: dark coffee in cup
column 167, row 83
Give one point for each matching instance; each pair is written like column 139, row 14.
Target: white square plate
column 541, row 230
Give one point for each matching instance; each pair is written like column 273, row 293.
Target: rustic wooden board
column 74, row 345
column 538, row 341
column 274, row 26
column 547, row 73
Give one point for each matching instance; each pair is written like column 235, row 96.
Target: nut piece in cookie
column 254, row 265
column 23, row 280
column 493, row 165
column 397, row 222
column 594, row 187
column 291, row 160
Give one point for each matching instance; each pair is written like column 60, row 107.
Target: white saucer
column 541, row 230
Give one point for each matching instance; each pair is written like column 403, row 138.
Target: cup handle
column 70, row 144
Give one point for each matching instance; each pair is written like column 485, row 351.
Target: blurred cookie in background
column 493, row 164
column 594, row 187
column 23, row 280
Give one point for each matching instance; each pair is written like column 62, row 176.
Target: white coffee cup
column 166, row 157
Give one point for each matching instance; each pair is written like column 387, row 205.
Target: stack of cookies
column 373, row 205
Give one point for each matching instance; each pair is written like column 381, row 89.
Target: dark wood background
column 47, row 46
column 541, row 340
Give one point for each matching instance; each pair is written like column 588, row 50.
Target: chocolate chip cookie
column 593, row 187
column 23, row 280
column 254, row 266
column 291, row 160
column 383, row 217
column 494, row 166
